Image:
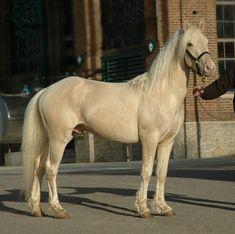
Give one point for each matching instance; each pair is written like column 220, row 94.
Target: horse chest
column 171, row 128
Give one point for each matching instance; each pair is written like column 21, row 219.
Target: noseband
column 196, row 60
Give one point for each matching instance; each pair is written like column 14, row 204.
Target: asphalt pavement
column 100, row 199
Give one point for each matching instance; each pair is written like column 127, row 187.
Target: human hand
column 198, row 91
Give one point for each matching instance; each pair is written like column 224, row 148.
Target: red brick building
column 44, row 40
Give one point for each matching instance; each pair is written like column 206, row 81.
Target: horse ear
column 202, row 25
column 186, row 25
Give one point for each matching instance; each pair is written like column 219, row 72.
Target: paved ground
column 99, row 198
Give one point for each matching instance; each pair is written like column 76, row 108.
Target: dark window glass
column 221, row 66
column 233, row 11
column 28, row 38
column 228, row 30
column 221, row 50
column 228, row 12
column 229, row 64
column 220, row 30
column 219, row 12
column 229, row 49
column 123, row 23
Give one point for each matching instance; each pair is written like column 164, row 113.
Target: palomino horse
column 148, row 109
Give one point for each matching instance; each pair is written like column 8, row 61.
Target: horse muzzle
column 208, row 68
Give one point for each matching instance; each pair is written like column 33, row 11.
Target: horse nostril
column 209, row 67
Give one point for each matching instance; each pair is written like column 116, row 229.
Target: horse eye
column 189, row 44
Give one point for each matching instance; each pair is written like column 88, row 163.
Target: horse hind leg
column 35, row 195
column 52, row 164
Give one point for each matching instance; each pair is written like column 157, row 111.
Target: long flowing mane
column 163, row 65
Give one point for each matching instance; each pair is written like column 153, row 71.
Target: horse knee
column 51, row 172
column 146, row 172
column 146, row 175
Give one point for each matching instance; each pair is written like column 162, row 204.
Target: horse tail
column 33, row 142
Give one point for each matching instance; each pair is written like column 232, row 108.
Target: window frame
column 224, row 39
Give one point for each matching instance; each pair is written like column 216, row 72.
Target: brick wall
column 171, row 15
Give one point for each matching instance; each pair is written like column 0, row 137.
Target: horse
column 148, row 109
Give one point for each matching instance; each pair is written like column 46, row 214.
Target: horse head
column 197, row 56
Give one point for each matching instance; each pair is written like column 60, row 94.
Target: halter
column 197, row 59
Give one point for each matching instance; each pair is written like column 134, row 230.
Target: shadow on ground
column 220, row 175
column 76, row 197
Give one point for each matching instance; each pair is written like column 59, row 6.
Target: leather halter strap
column 197, row 59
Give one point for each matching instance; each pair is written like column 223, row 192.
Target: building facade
column 43, row 41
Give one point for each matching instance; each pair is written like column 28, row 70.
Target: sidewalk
column 99, row 198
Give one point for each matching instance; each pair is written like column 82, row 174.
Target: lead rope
column 203, row 107
column 205, row 110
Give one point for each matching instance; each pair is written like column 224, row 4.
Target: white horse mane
column 163, row 65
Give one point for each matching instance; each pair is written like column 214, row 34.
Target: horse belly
column 112, row 128
column 111, row 118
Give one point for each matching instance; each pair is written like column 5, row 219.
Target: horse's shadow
column 170, row 197
column 97, row 205
column 12, row 196
column 74, row 199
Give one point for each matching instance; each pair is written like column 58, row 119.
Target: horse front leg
column 148, row 155
column 159, row 204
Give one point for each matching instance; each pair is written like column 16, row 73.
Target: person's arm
column 218, row 87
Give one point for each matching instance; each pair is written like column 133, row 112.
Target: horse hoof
column 146, row 215
column 38, row 213
column 169, row 213
column 62, row 215
column 58, row 212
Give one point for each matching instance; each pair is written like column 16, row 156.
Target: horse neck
column 173, row 80
column 178, row 80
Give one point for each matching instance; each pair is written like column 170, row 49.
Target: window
column 123, row 23
column 123, row 28
column 28, row 41
column 68, row 33
column 225, row 13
